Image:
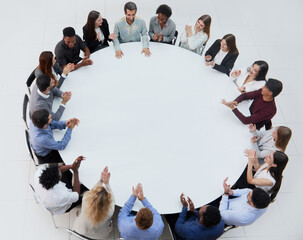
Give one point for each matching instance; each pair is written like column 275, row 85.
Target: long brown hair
column 284, row 135
column 98, row 200
column 91, row 19
column 206, row 19
column 231, row 43
column 46, row 63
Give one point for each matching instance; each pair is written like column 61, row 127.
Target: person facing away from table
column 98, row 205
column 42, row 139
column 54, row 189
column 246, row 208
column 96, row 32
column 43, row 94
column 68, row 50
column 251, row 78
column 147, row 224
column 193, row 39
column 263, row 107
column 130, row 29
column 274, row 139
column 269, row 175
column 49, row 66
column 222, row 54
column 205, row 224
column 162, row 28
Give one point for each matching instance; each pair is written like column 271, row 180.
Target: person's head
column 44, row 83
column 209, row 216
column 203, row 23
column 259, row 70
column 272, row 88
column 130, row 10
column 41, row 118
column 228, row 44
column 99, row 200
column 164, row 12
column 144, row 218
column 69, row 36
column 281, row 136
column 50, row 177
column 258, row 198
column 94, row 20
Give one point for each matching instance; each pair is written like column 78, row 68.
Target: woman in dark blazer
column 222, row 48
column 96, row 32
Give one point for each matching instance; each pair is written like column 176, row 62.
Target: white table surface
column 158, row 121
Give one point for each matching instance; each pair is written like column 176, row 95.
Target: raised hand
column 191, row 205
column 66, row 96
column 76, row 163
column 226, row 187
column 105, row 175
column 183, row 200
column 252, row 127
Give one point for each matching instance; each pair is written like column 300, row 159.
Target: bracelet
column 226, row 193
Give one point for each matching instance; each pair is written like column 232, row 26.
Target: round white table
column 158, row 121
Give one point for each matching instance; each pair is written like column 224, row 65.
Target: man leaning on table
column 129, row 29
column 42, row 139
column 147, row 224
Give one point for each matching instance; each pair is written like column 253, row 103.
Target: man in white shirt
column 246, row 208
column 52, row 187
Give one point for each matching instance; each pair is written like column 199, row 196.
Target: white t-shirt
column 57, row 199
column 263, row 173
column 219, row 57
column 98, row 30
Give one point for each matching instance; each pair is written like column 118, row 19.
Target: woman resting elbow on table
column 222, row 54
column 251, row 78
column 97, row 209
column 268, row 176
column 194, row 38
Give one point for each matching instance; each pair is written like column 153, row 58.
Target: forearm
column 76, row 187
column 65, row 168
column 249, row 174
column 223, row 69
column 57, row 115
column 61, row 80
column 86, row 52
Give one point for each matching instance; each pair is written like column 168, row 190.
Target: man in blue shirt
column 42, row 139
column 129, row 29
column 203, row 224
column 147, row 224
column 246, row 208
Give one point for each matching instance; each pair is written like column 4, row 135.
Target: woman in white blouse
column 268, row 176
column 193, row 38
column 251, row 78
column 97, row 209
column 264, row 142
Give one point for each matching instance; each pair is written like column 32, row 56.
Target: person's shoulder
column 171, row 22
column 153, row 18
column 121, row 20
column 85, row 28
column 59, row 45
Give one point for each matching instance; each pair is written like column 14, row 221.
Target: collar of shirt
column 42, row 94
column 157, row 22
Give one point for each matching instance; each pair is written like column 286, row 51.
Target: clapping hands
column 185, row 204
column 105, row 175
column 138, row 192
column 76, row 164
column 232, row 105
column 71, row 123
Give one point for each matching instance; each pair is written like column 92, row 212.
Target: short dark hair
column 260, row 198
column 165, row 10
column 50, row 177
column 40, row 118
column 130, row 6
column 275, row 86
column 263, row 70
column 43, row 82
column 69, row 32
column 144, row 218
column 211, row 216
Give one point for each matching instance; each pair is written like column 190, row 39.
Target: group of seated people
column 60, row 190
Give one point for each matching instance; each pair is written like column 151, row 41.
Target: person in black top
column 68, row 50
column 222, row 54
column 96, row 32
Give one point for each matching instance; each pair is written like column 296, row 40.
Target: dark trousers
column 52, row 157
column 267, row 123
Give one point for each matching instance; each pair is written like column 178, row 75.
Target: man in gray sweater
column 43, row 94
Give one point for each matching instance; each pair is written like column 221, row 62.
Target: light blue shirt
column 127, row 225
column 237, row 211
column 130, row 33
column 42, row 140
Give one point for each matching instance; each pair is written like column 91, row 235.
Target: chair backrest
column 201, row 49
column 30, row 80
column 31, row 154
column 78, row 235
column 175, row 38
column 24, row 110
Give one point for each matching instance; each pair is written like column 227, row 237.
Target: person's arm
column 50, row 143
column 180, row 227
column 228, row 65
column 60, row 57
column 116, row 40
column 195, row 42
column 56, row 92
column 75, row 168
column 172, row 31
column 145, row 41
column 213, row 50
column 255, row 118
column 151, row 29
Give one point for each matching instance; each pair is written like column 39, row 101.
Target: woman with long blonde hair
column 98, row 205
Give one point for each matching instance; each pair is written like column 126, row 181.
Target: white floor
column 268, row 30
